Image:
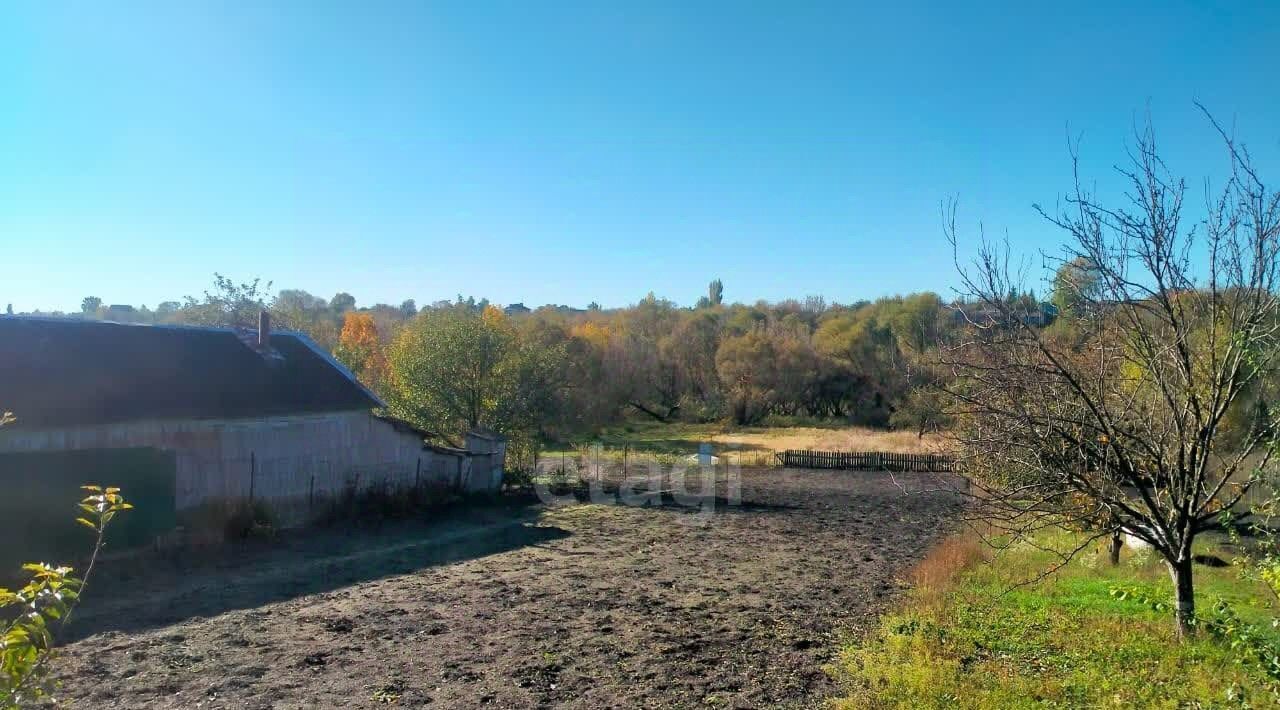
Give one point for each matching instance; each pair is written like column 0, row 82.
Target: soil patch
column 574, row 605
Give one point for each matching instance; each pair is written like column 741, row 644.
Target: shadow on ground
column 214, row 580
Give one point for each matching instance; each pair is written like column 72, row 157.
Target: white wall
column 284, row 460
column 489, row 456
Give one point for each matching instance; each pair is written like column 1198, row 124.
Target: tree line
column 557, row 373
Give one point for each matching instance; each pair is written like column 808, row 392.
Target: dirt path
column 513, row 607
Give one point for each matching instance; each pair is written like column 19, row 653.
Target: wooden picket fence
column 868, row 461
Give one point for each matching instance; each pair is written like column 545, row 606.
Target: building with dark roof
column 1039, row 315
column 183, row 416
column 69, row 372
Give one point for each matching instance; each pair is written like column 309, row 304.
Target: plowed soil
column 520, row 604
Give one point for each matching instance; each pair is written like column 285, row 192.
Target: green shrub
column 518, row 477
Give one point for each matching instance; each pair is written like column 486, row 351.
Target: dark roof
column 406, row 427
column 60, row 372
column 486, row 433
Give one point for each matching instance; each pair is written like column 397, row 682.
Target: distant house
column 516, row 309
column 118, row 312
column 567, row 310
column 184, row 417
column 1041, row 314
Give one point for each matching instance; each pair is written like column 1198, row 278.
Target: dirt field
column 517, row 605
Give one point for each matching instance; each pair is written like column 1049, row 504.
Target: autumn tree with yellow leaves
column 360, row 349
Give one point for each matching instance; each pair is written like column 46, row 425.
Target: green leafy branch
column 1250, row 644
column 1141, row 597
column 44, row 605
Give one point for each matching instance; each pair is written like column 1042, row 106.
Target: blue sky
column 570, row 152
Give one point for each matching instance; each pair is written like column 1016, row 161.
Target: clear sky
column 570, row 152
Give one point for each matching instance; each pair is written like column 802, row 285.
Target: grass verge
column 968, row 637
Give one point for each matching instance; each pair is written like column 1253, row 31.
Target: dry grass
column 842, row 439
column 760, row 442
column 936, row 574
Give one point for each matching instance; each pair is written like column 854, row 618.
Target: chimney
column 264, row 330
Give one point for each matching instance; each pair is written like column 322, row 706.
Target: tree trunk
column 1113, row 552
column 650, row 412
column 1184, row 596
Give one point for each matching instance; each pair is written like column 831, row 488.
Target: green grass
column 973, row 639
column 675, row 439
column 657, row 437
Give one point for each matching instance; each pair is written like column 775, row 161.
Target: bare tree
column 228, row 304
column 1120, row 412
